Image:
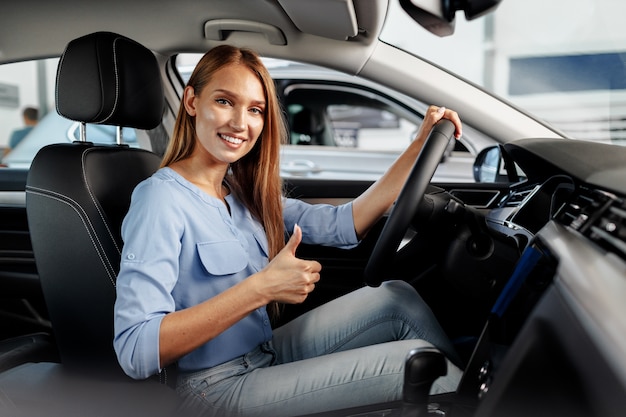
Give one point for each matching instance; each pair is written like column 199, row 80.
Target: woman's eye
column 256, row 110
column 222, row 101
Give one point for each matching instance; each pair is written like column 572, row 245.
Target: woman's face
column 229, row 113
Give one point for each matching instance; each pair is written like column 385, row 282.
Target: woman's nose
column 238, row 121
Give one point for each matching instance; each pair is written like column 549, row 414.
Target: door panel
column 342, row 269
column 22, row 309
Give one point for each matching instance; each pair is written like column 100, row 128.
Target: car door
column 21, row 301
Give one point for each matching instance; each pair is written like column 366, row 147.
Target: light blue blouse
column 182, row 247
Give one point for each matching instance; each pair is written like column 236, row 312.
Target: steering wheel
column 407, row 203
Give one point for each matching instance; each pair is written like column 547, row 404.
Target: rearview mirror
column 429, row 14
column 472, row 8
column 437, row 16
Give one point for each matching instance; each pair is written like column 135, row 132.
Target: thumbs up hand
column 288, row 279
column 294, row 241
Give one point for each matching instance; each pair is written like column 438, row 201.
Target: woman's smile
column 231, row 139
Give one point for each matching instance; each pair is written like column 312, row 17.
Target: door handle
column 300, row 167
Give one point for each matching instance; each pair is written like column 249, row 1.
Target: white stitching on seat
column 93, row 199
column 85, row 220
column 56, row 90
column 117, row 81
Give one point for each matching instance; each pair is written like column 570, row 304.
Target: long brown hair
column 255, row 178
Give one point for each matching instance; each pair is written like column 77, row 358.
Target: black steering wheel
column 407, row 202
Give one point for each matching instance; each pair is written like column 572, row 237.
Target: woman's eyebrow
column 230, row 93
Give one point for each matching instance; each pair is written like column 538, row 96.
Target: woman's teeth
column 231, row 139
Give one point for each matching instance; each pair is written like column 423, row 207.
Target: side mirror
column 489, row 166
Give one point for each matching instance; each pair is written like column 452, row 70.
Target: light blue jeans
column 347, row 353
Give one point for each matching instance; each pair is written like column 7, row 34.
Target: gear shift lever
column 423, row 366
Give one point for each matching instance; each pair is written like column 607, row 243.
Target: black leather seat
column 77, row 194
column 76, row 197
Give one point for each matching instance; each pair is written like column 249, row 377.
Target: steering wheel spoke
column 407, row 203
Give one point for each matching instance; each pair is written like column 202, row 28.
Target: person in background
column 205, row 264
column 30, row 116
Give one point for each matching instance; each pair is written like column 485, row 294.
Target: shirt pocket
column 224, row 257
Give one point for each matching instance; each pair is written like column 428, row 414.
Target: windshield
column 566, row 66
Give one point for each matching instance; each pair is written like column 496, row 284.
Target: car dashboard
column 567, row 359
column 555, row 340
column 523, row 211
column 585, row 194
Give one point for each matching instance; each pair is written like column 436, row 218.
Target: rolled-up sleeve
column 322, row 224
column 148, row 273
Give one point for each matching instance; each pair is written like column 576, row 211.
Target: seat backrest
column 78, row 194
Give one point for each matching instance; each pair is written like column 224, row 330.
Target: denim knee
column 401, row 295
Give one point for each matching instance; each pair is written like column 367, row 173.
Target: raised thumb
column 295, row 240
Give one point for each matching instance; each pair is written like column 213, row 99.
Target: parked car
column 524, row 265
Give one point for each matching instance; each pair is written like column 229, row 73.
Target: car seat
column 78, row 194
column 76, row 197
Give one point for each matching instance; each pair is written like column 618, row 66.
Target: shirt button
column 130, row 256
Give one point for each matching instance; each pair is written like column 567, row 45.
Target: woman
column 205, row 264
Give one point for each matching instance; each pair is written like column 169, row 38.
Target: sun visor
column 335, row 19
column 221, row 29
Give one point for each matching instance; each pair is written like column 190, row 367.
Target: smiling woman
column 211, row 315
column 511, row 263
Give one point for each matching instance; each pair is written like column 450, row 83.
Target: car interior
column 524, row 268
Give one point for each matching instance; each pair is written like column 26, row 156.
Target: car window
column 342, row 116
column 31, row 85
column 344, row 127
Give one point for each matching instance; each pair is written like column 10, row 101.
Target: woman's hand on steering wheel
column 412, row 192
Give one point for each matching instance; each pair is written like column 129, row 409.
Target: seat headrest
column 109, row 79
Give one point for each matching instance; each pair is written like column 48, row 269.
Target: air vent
column 578, row 211
column 609, row 229
column 599, row 216
column 516, row 198
column 584, row 207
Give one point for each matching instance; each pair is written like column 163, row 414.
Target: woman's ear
column 189, row 101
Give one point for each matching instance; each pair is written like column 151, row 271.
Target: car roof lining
column 189, row 34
